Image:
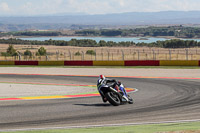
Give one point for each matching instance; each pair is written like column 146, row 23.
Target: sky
column 51, row 7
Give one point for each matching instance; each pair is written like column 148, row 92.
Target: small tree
column 91, row 52
column 77, row 53
column 41, row 51
column 11, row 51
column 28, row 53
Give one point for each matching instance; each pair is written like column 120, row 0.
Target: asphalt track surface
column 157, row 100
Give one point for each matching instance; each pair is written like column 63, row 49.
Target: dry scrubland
column 105, row 53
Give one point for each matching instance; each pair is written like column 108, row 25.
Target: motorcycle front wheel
column 113, row 98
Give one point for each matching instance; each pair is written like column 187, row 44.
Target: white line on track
column 103, row 125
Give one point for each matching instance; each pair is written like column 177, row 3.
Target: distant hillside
column 132, row 18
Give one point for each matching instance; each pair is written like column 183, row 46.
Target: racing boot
column 104, row 99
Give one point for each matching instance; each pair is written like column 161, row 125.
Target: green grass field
column 152, row 128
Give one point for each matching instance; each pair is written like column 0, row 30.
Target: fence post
column 108, row 54
column 186, row 50
column 47, row 58
column 19, row 55
column 153, row 54
column 134, row 54
column 146, row 55
column 170, row 56
column 70, row 55
column 122, row 55
column 56, row 55
column 82, row 55
column 95, row 54
column 138, row 54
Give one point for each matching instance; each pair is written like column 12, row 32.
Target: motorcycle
column 115, row 96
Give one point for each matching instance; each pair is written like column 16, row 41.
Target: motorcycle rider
column 117, row 85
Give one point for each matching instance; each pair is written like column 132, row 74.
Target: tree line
column 11, row 51
column 31, row 33
column 174, row 43
column 176, row 31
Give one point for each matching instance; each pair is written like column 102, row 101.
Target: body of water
column 97, row 39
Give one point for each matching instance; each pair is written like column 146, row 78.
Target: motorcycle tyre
column 111, row 100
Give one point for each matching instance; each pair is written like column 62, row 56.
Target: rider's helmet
column 119, row 83
column 101, row 77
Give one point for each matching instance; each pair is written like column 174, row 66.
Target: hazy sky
column 38, row 7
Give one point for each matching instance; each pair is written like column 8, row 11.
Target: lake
column 97, row 39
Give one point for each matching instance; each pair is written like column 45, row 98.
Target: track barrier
column 142, row 63
column 78, row 63
column 51, row 63
column 106, row 63
column 7, row 62
column 32, row 63
column 179, row 63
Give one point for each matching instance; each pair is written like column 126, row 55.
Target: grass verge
column 152, row 128
column 147, row 67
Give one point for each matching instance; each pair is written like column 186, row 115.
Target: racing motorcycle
column 115, row 96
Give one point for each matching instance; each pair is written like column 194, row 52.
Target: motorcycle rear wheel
column 113, row 98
